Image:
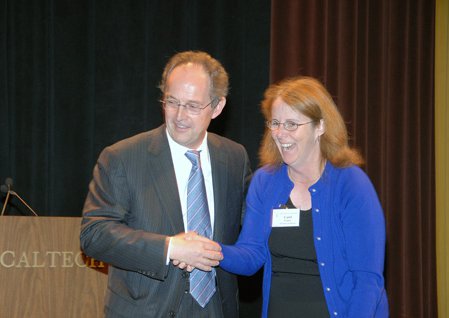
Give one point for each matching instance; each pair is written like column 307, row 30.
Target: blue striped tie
column 202, row 284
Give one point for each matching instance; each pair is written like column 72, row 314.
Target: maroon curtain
column 376, row 58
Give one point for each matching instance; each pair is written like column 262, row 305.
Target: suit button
column 172, row 314
column 185, row 275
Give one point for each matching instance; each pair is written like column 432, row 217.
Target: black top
column 296, row 289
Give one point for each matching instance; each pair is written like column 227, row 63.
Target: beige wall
column 442, row 153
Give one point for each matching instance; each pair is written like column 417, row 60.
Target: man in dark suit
column 135, row 214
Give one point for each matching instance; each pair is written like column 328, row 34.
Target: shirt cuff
column 167, row 261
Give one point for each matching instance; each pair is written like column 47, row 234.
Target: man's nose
column 180, row 112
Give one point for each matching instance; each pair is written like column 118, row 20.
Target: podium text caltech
column 43, row 272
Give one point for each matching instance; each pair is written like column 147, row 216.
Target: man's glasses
column 288, row 125
column 191, row 107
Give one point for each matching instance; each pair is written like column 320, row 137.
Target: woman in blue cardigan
column 313, row 219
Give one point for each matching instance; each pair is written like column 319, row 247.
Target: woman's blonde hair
column 309, row 97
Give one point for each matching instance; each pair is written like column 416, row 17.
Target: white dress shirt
column 183, row 166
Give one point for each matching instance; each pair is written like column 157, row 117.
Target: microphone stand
column 10, row 192
column 6, row 202
column 23, row 201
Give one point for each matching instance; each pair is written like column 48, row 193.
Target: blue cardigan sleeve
column 363, row 225
column 249, row 253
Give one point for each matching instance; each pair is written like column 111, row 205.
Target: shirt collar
column 178, row 149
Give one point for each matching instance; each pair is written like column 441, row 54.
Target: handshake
column 190, row 250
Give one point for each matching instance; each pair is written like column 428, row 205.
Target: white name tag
column 285, row 218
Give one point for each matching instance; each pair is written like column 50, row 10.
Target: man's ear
column 219, row 108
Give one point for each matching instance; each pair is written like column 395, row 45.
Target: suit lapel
column 220, row 180
column 160, row 167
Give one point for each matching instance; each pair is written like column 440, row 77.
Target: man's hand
column 190, row 250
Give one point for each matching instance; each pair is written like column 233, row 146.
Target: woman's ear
column 321, row 128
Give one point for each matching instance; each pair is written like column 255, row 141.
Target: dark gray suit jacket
column 133, row 205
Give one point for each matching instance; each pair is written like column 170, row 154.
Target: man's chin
column 182, row 140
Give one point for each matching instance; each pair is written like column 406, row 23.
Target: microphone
column 6, row 188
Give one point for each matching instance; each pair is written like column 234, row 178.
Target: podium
column 43, row 272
